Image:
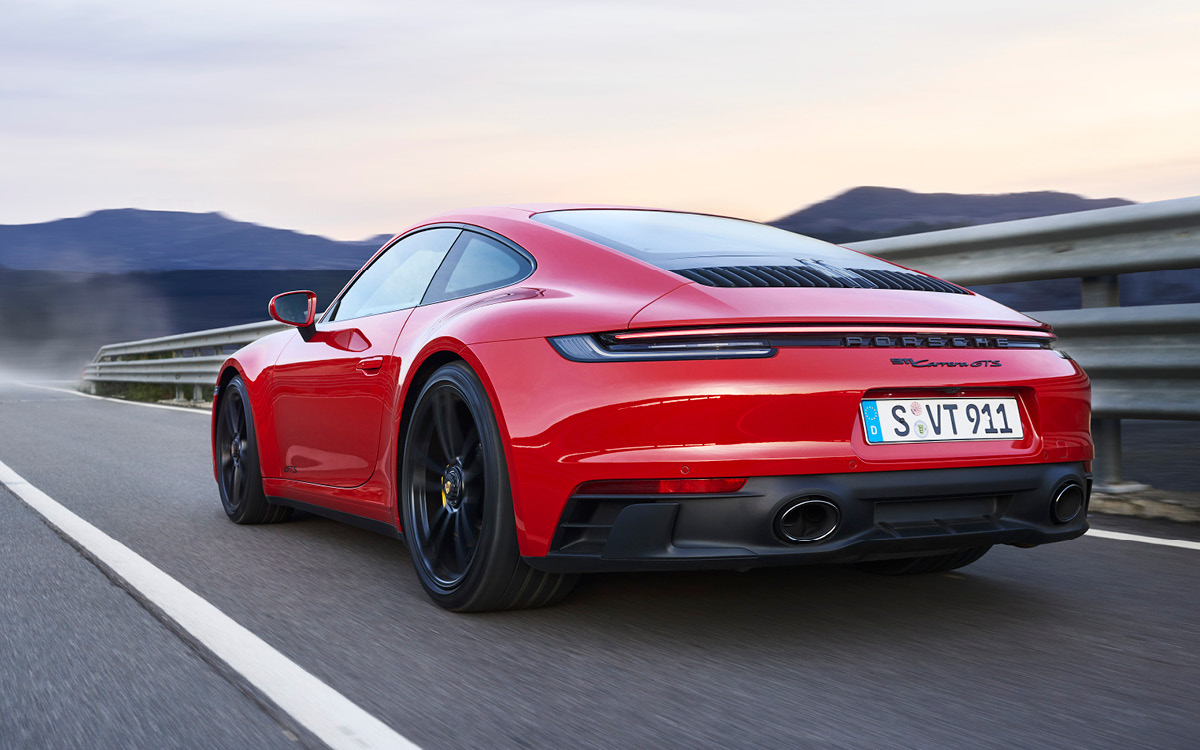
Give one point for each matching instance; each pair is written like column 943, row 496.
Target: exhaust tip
column 1067, row 502
column 809, row 519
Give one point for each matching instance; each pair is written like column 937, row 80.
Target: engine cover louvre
column 816, row 274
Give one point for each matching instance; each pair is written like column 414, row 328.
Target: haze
column 354, row 118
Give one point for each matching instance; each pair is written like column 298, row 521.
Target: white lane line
column 205, row 412
column 1122, row 536
column 329, row 715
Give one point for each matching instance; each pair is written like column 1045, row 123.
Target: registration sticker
column 928, row 420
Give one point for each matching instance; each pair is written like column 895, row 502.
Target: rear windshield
column 674, row 241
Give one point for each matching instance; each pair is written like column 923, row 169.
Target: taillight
column 606, row 348
column 759, row 341
column 661, row 486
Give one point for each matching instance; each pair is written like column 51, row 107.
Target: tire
column 456, row 503
column 239, row 475
column 907, row 566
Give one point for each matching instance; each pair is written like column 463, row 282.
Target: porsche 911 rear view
column 527, row 394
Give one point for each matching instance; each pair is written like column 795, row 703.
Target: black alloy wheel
column 456, row 503
column 448, row 487
column 239, row 475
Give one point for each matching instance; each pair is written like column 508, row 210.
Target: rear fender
column 439, row 348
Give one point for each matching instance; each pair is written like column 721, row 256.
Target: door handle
column 370, row 364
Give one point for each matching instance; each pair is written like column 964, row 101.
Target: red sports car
column 524, row 394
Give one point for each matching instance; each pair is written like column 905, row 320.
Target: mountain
column 133, row 240
column 867, row 213
column 130, row 239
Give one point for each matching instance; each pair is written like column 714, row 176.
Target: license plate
column 930, row 420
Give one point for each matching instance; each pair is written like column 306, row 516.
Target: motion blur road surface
column 1092, row 643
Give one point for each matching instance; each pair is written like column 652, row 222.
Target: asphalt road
column 1092, row 643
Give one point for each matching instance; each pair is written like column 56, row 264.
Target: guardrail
column 189, row 359
column 1101, row 243
column 1144, row 361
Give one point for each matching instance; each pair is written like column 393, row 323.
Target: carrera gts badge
column 930, row 363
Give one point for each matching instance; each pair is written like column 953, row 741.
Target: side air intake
column 814, row 274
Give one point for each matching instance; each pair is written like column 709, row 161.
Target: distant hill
column 134, row 240
column 867, row 213
column 130, row 239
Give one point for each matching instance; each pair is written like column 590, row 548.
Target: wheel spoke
column 467, row 530
column 440, row 429
column 234, row 405
column 431, row 465
column 437, row 529
column 229, row 414
column 243, row 481
column 440, row 547
column 467, row 447
column 472, row 472
column 460, row 542
column 453, row 425
column 446, row 423
column 235, row 486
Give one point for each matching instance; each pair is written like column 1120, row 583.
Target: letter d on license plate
column 931, row 420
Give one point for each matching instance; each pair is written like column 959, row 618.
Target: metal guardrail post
column 1106, row 433
column 1105, row 291
column 1100, row 291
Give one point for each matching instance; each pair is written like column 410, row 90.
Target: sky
column 356, row 118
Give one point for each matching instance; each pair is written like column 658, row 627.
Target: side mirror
column 296, row 309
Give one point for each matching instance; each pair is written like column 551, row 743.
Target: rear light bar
column 588, row 348
column 754, row 342
column 661, row 486
column 841, row 329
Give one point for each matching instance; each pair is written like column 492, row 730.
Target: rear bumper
column 882, row 514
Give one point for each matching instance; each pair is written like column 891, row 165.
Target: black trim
column 370, row 524
column 710, row 343
column 586, row 348
column 884, row 514
column 812, row 273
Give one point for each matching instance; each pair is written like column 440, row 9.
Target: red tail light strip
column 849, row 330
column 661, row 486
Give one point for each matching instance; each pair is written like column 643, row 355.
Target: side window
column 477, row 264
column 398, row 278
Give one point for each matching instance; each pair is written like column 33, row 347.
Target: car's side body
column 331, row 433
